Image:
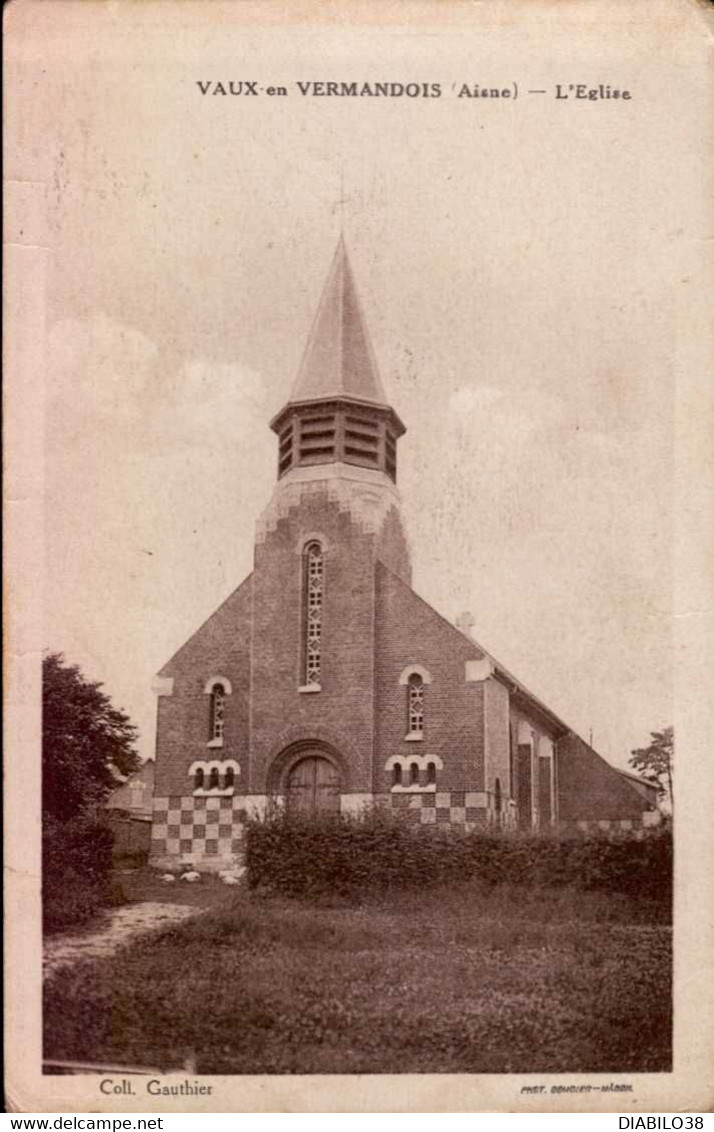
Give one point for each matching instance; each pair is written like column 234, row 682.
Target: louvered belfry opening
column 335, row 431
column 338, row 410
column 317, row 436
column 285, row 450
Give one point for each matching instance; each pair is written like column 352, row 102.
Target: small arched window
column 313, row 590
column 397, row 774
column 430, row 773
column 415, row 704
column 218, row 713
column 414, row 774
column 198, row 779
column 229, row 779
column 213, row 779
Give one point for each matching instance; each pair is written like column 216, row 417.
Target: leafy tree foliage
column 655, row 761
column 85, row 742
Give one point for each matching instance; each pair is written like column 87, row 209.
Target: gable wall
column 411, row 632
column 221, row 647
column 341, row 713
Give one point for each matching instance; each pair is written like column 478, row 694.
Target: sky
column 515, row 263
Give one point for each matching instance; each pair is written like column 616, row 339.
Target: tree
column 86, row 742
column 655, row 762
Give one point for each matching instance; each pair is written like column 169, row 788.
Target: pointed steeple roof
column 338, row 359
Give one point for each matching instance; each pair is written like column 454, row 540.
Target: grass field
column 466, row 981
column 144, row 884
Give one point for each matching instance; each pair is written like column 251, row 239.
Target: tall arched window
column 198, row 779
column 415, row 704
column 314, row 592
column 397, row 774
column 497, row 800
column 218, row 712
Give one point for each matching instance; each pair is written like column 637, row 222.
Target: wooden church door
column 313, row 787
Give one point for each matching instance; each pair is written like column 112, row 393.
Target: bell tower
column 333, row 517
column 337, row 429
column 338, row 412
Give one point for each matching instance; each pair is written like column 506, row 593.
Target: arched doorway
column 313, row 786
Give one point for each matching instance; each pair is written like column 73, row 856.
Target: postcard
column 358, row 512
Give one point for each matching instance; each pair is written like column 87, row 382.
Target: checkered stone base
column 198, row 831
column 465, row 810
column 622, row 827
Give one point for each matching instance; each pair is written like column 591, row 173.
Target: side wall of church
column 341, row 713
column 590, row 790
column 533, row 767
column 497, row 756
column 409, row 634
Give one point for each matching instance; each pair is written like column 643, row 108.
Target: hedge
column 76, row 870
column 375, row 851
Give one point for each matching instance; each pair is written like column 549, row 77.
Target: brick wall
column 410, row 632
column 392, row 548
column 374, row 627
column 221, row 647
column 589, row 788
column 342, row 712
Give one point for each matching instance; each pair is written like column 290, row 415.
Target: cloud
column 205, row 403
column 99, row 368
column 106, row 376
column 155, row 472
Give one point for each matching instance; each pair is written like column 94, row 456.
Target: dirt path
column 118, row 928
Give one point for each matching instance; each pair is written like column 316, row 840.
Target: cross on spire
column 342, row 200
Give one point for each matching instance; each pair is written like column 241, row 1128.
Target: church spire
column 338, row 360
column 338, row 412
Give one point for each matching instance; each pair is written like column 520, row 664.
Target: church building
column 325, row 683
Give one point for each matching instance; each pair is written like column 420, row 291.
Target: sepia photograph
column 351, row 366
